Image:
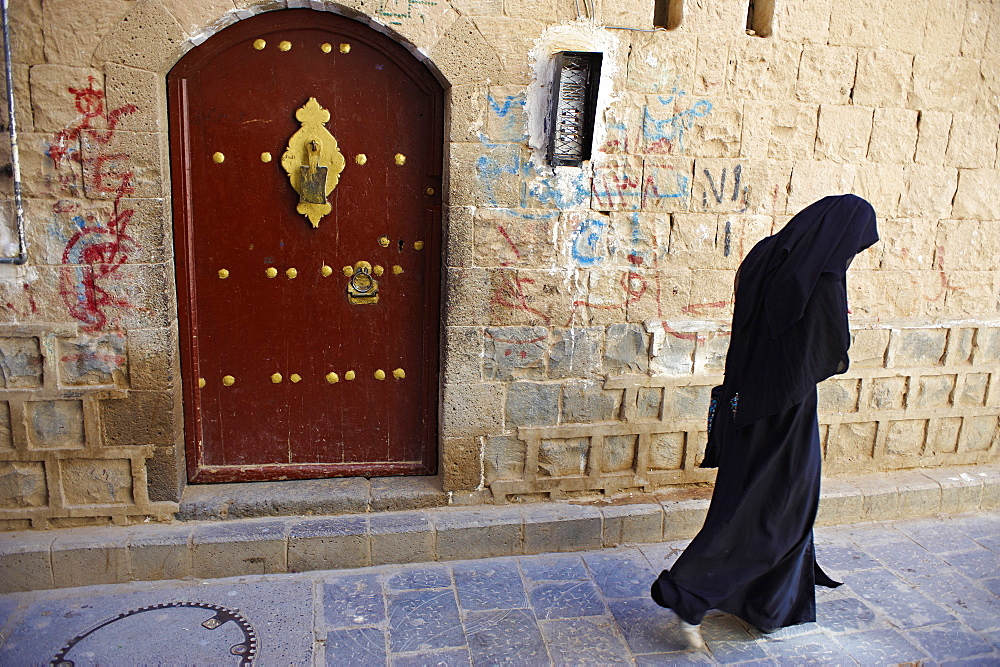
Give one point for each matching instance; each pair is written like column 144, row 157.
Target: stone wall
column 585, row 308
column 912, row 398
column 57, row 467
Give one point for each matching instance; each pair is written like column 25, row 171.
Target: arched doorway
column 306, row 158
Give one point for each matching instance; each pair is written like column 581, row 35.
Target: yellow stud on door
column 332, row 377
column 276, row 378
column 326, row 271
column 349, row 375
column 399, row 374
column 380, row 374
column 228, row 380
column 295, row 377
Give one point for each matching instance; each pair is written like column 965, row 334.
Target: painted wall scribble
column 94, row 254
column 398, row 10
column 661, row 182
column 586, row 244
column 511, row 294
column 718, row 193
column 666, row 135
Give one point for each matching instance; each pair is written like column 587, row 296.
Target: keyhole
column 401, row 244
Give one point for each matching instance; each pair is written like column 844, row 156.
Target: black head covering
column 781, row 272
column 790, row 327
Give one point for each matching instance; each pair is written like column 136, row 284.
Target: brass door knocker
column 313, row 162
column 312, row 180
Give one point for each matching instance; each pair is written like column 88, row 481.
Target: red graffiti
column 513, row 246
column 946, row 285
column 89, row 102
column 102, row 174
column 634, row 286
column 31, row 299
column 95, row 252
column 511, row 295
column 516, row 348
column 665, row 146
column 95, row 357
column 698, row 308
column 613, row 189
column 514, row 341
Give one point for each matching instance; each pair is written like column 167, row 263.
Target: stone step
column 36, row 560
column 303, row 497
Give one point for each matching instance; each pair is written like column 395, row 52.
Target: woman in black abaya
column 754, row 556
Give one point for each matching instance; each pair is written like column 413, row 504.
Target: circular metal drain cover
column 174, row 632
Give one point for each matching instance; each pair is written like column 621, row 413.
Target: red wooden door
column 287, row 372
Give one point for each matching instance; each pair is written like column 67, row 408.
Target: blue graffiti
column 511, row 126
column 506, row 160
column 572, row 189
column 586, row 242
column 509, row 102
column 635, row 240
column 667, row 134
column 654, row 188
column 617, row 136
column 396, row 18
column 544, row 191
column 636, row 231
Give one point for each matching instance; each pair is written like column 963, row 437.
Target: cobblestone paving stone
column 915, row 591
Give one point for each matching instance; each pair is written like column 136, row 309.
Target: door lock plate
column 362, row 288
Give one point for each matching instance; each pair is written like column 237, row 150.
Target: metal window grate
column 573, row 107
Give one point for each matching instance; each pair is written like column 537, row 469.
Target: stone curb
column 33, row 560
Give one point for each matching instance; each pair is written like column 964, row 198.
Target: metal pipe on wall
column 22, row 250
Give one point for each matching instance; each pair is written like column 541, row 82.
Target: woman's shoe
column 692, row 635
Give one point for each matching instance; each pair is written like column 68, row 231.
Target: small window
column 573, row 107
column 760, row 15
column 668, row 13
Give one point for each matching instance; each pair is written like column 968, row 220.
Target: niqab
column 789, row 335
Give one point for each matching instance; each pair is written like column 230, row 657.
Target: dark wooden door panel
column 266, row 320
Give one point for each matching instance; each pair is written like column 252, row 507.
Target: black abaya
column 754, row 555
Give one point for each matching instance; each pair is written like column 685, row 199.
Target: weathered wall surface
column 585, row 309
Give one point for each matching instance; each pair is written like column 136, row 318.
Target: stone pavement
column 917, row 590
column 33, row 560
